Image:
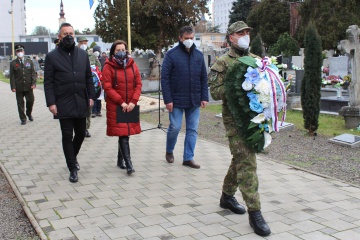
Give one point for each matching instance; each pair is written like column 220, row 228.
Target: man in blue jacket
column 185, row 89
column 69, row 93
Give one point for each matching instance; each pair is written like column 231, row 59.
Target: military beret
column 82, row 39
column 19, row 47
column 237, row 27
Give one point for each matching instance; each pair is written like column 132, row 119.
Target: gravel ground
column 14, row 224
column 291, row 147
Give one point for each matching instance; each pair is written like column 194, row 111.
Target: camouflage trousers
column 242, row 174
column 88, row 118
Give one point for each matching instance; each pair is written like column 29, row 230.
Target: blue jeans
column 97, row 106
column 192, row 116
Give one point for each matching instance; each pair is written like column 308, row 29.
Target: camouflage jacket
column 22, row 77
column 94, row 60
column 216, row 80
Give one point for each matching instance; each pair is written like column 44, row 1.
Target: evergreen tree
column 257, row 46
column 311, row 83
column 240, row 10
column 285, row 45
column 331, row 18
column 154, row 23
column 270, row 18
column 40, row 30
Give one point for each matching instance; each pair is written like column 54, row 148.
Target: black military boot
column 229, row 202
column 125, row 150
column 257, row 222
column 120, row 159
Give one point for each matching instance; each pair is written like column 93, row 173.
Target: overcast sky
column 46, row 13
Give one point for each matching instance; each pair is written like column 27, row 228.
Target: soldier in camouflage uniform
column 242, row 170
column 22, row 82
column 82, row 43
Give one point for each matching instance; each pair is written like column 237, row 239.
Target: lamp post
column 12, row 28
column 128, row 23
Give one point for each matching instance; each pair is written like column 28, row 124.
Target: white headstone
column 339, row 66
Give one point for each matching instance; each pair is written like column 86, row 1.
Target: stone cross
column 352, row 47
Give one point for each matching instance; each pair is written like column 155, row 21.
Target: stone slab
column 347, row 140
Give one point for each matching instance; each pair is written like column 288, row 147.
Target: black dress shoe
column 31, row 118
column 73, row 176
column 169, row 157
column 87, row 134
column 23, row 122
column 77, row 166
column 230, row 202
column 191, row 163
column 121, row 163
column 257, row 222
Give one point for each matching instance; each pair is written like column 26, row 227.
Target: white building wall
column 5, row 20
column 221, row 9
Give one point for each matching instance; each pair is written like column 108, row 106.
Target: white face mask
column 188, row 43
column 20, row 54
column 83, row 47
column 97, row 54
column 244, row 42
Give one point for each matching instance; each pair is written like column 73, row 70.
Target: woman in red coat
column 122, row 84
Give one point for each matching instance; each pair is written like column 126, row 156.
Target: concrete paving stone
column 345, row 204
column 153, row 201
column 60, row 234
column 181, row 209
column 99, row 211
column 50, row 204
column 44, row 223
column 308, row 226
column 182, row 230
column 299, row 216
column 317, row 235
column 181, row 219
column 64, row 223
column 328, row 231
column 208, row 208
column 122, row 221
column 94, row 222
column 152, row 220
column 339, row 225
column 283, row 236
column 347, row 235
column 127, row 202
column 90, row 233
column 213, row 229
column 211, row 218
column 34, row 197
column 124, row 211
column 70, row 212
column 78, row 203
column 153, row 210
column 102, row 202
column 151, row 231
column 104, row 194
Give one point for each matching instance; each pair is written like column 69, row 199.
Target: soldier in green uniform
column 82, row 43
column 242, row 170
column 22, row 82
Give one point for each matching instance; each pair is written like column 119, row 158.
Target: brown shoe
column 191, row 163
column 169, row 157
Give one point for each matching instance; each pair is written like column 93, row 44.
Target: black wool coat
column 68, row 82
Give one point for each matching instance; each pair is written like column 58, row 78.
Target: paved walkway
column 160, row 200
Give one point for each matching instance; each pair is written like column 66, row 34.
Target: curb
column 27, row 211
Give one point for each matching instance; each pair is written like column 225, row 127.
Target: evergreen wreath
column 238, row 104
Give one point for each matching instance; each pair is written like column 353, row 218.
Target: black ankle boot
column 125, row 150
column 229, row 202
column 257, row 222
column 120, row 159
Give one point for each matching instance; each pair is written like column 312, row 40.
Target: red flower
column 16, row 65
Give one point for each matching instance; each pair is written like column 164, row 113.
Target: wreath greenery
column 238, row 104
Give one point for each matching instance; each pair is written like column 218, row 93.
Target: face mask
column 83, row 47
column 120, row 55
column 188, row 43
column 97, row 54
column 68, row 41
column 20, row 54
column 244, row 42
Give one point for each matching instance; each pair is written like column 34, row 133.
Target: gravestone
column 339, row 66
column 347, row 140
column 351, row 46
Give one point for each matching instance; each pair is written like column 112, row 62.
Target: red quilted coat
column 126, row 88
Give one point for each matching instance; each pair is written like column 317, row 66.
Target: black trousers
column 29, row 97
column 72, row 143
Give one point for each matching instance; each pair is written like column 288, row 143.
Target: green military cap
column 19, row 47
column 82, row 39
column 237, row 27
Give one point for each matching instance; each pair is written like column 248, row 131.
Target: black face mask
column 68, row 41
column 120, row 55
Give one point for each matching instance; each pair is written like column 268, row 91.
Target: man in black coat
column 69, row 92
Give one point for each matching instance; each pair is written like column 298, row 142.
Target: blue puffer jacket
column 184, row 77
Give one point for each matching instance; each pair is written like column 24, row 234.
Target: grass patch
column 213, row 108
column 300, row 164
column 39, row 81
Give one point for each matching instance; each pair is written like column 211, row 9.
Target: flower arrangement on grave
column 256, row 95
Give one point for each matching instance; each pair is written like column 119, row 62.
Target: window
column 41, row 39
column 28, row 40
column 212, row 37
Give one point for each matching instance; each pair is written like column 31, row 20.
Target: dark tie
column 21, row 63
